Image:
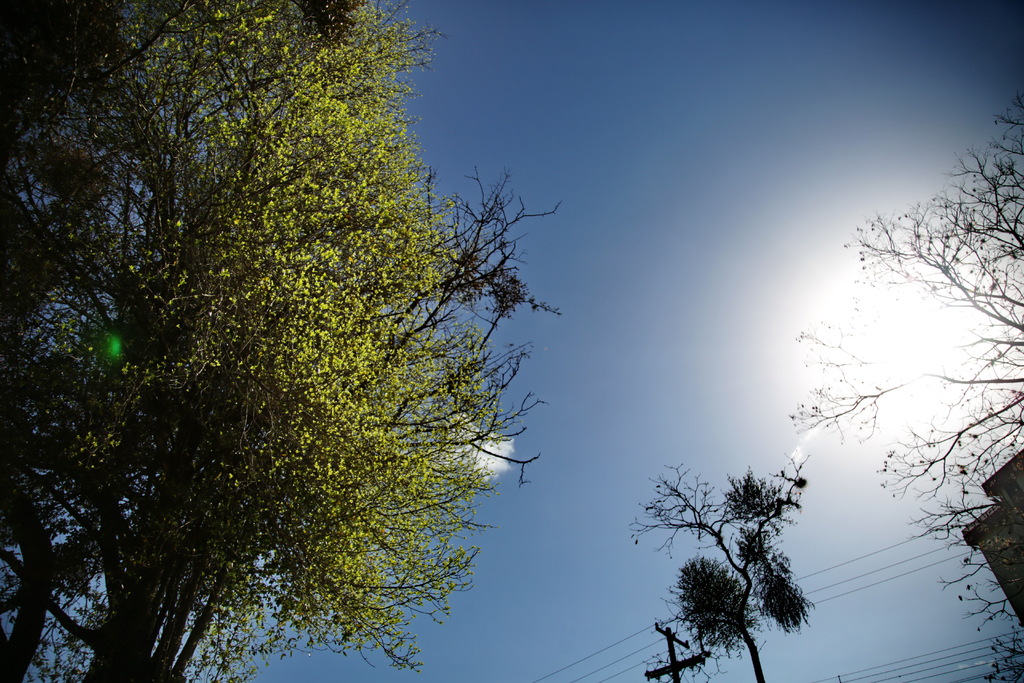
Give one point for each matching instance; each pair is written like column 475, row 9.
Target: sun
column 896, row 336
column 909, row 337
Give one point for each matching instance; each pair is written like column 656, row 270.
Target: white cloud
column 490, row 463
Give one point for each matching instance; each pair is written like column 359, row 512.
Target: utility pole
column 675, row 666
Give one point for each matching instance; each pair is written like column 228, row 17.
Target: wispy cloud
column 799, row 453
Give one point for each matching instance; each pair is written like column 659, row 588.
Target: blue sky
column 711, row 160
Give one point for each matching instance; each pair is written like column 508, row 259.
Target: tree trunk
column 122, row 656
column 755, row 657
column 124, row 651
column 33, row 595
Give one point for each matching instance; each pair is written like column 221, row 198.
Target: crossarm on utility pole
column 675, row 666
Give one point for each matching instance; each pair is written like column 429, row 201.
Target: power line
column 945, row 652
column 943, row 673
column 820, row 571
column 833, row 597
column 875, row 571
column 945, row 665
column 627, row 670
column 624, row 671
column 634, row 652
column 593, row 654
column 901, row 661
column 843, row 564
column 923, row 663
column 976, row 677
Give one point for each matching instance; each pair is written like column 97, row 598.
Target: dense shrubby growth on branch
column 244, row 349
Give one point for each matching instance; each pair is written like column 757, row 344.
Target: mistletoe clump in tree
column 244, row 348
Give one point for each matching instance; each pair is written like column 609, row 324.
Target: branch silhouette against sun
column 726, row 599
column 961, row 254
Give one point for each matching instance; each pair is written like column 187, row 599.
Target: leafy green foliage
column 246, row 350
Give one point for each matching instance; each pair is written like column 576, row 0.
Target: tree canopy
column 246, row 349
column 725, row 601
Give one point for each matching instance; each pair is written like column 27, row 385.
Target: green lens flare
column 114, row 346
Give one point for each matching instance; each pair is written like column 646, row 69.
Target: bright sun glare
column 908, row 336
column 898, row 336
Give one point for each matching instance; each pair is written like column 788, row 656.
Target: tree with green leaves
column 725, row 601
column 245, row 349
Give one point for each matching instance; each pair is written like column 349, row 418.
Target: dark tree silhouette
column 726, row 600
